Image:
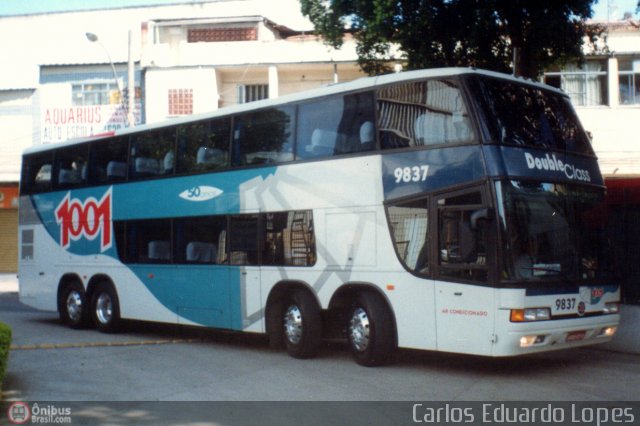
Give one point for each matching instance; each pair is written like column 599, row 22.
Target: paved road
column 164, row 363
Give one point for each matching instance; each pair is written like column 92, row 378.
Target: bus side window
column 203, row 146
column 288, row 238
column 70, row 168
column 356, row 124
column 146, row 241
column 423, row 113
column 410, row 230
column 108, row 160
column 263, row 137
column 462, row 240
column 243, row 240
column 36, row 173
column 149, row 152
column 336, row 125
column 197, row 238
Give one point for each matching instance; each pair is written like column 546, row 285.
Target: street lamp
column 94, row 39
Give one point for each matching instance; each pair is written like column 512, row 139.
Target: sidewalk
column 8, row 282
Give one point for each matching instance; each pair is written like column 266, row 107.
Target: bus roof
column 332, row 89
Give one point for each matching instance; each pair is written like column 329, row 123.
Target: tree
column 491, row 34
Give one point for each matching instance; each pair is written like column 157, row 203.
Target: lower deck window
column 270, row 239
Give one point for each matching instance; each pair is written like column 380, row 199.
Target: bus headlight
column 530, row 314
column 526, row 341
column 611, row 308
column 607, row 332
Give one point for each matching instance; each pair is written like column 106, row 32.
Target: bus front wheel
column 105, row 308
column 370, row 331
column 72, row 306
column 302, row 325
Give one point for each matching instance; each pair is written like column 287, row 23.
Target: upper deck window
column 521, row 114
column 36, row 173
column 263, row 137
column 203, row 146
column 336, row 125
column 70, row 166
column 151, row 153
column 423, row 113
column 108, row 161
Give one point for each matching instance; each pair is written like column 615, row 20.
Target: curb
column 103, row 344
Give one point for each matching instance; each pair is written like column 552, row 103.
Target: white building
column 606, row 95
column 56, row 84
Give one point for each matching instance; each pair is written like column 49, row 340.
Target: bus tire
column 73, row 306
column 370, row 331
column 301, row 325
column 105, row 308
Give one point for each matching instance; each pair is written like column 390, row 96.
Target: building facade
column 606, row 94
column 79, row 74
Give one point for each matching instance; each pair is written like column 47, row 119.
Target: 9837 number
column 411, row 174
column 566, row 304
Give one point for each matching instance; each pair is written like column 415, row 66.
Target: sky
column 21, row 7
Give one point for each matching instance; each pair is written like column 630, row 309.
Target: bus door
column 464, row 300
column 203, row 273
column 245, row 272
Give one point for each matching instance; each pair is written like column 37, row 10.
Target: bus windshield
column 554, row 231
column 519, row 114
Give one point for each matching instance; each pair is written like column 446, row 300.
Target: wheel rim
column 74, row 305
column 104, row 308
column 293, row 324
column 359, row 329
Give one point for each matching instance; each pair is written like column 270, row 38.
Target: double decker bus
column 454, row 210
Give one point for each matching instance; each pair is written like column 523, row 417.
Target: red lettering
column 88, row 220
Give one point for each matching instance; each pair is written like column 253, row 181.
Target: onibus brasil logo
column 88, row 219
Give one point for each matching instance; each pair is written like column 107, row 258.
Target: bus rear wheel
column 73, row 307
column 105, row 308
column 302, row 325
column 370, row 331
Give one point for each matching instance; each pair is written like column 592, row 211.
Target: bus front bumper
column 527, row 338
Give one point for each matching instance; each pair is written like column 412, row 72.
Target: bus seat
column 323, row 142
column 201, row 252
column 283, row 157
column 208, row 155
column 239, row 258
column 147, row 166
column 168, row 162
column 68, row 176
column 367, row 136
column 159, row 250
column 116, row 169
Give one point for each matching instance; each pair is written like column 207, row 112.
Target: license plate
column 575, row 336
column 565, row 306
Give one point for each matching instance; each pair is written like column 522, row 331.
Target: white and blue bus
column 454, row 210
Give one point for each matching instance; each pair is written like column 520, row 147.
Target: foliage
column 5, row 343
column 478, row 33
